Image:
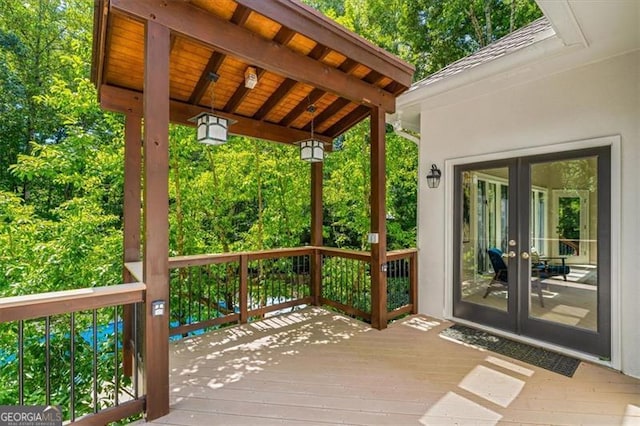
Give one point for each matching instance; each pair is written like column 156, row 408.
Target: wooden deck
column 318, row 367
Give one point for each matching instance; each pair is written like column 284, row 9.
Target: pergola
column 152, row 61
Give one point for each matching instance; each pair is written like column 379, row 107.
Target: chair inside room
column 500, row 280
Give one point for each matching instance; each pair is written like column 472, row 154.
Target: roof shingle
column 510, row 43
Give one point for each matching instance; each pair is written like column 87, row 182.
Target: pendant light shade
column 312, row 150
column 211, row 129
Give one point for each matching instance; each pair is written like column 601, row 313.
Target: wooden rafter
column 302, row 106
column 215, row 62
column 328, row 112
column 347, row 121
column 282, row 91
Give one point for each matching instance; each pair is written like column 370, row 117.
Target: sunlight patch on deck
column 631, row 415
column 421, row 324
column 455, row 409
column 509, row 366
column 492, row 385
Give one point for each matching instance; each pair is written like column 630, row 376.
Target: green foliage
column 431, row 34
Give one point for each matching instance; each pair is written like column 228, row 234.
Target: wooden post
column 316, row 232
column 378, row 218
column 131, row 223
column 413, row 282
column 156, row 217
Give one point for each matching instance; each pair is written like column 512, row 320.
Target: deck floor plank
column 315, row 367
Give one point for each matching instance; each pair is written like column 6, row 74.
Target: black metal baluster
column 95, row 360
column 72, row 373
column 21, row 362
column 115, row 355
column 211, row 274
column 47, row 359
column 187, row 319
column 200, row 274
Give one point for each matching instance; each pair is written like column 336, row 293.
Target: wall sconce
column 433, row 177
column 311, row 150
column 250, row 78
column 211, row 129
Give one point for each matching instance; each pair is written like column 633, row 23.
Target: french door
column 532, row 247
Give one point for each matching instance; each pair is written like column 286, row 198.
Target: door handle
column 524, row 255
column 511, row 254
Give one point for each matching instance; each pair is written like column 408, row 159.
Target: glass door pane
column 485, row 219
column 564, row 263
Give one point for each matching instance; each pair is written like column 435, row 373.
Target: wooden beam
column 348, row 121
column 302, row 106
column 242, row 43
column 127, row 101
column 131, row 223
column 378, row 221
column 316, row 231
column 215, row 61
column 156, row 216
column 304, row 20
column 283, row 90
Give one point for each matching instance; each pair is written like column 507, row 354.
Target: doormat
column 539, row 357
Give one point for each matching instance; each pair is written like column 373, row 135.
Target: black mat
column 539, row 357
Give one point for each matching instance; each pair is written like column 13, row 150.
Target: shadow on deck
column 318, row 367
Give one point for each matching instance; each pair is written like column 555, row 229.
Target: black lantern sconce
column 433, row 177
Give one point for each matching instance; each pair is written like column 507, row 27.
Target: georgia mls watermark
column 30, row 415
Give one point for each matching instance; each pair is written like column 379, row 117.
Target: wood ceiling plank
column 282, row 91
column 348, row 121
column 228, row 38
column 240, row 93
column 328, row 112
column 130, row 101
column 302, row 107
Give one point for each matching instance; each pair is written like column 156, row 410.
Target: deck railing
column 66, row 348
column 208, row 291
column 346, row 281
column 211, row 290
column 82, row 349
